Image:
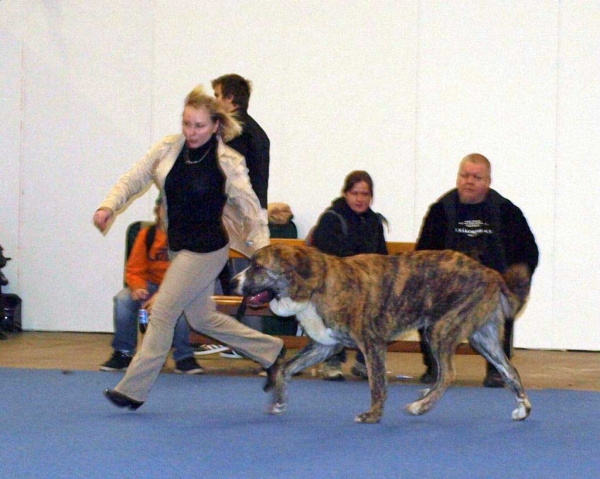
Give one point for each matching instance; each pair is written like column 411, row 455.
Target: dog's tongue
column 259, row 299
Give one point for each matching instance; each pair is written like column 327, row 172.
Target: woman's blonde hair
column 229, row 127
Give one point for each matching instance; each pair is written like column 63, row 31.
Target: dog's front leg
column 312, row 354
column 375, row 359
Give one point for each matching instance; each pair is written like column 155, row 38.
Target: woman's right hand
column 140, row 294
column 101, row 218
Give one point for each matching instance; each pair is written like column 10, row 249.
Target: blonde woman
column 210, row 207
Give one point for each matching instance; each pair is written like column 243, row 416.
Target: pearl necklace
column 186, row 156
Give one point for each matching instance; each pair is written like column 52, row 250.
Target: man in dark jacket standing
column 233, row 92
column 476, row 220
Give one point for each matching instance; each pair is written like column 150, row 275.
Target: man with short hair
column 476, row 220
column 233, row 93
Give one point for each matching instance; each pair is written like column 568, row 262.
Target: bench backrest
column 394, row 247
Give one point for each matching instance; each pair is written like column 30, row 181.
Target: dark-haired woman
column 349, row 227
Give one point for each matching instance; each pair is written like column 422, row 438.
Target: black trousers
column 2, row 315
column 341, row 357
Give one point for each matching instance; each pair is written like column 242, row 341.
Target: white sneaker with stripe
column 205, row 349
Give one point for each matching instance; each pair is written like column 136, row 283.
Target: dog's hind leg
column 442, row 352
column 486, row 341
column 312, row 354
column 375, row 360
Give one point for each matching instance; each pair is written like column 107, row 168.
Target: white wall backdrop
column 402, row 89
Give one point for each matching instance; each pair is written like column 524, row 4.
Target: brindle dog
column 365, row 301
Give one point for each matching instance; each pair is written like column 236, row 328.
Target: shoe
column 332, row 371
column 232, row 354
column 205, row 349
column 120, row 400
column 360, row 370
column 188, row 366
column 429, row 377
column 493, row 379
column 263, row 373
column 119, row 361
column 273, row 369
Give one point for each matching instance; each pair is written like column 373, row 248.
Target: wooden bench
column 231, row 304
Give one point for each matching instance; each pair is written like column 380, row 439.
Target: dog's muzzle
column 259, row 299
column 255, row 300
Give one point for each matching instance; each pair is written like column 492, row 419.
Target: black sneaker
column 118, row 362
column 188, row 366
column 360, row 370
column 120, row 400
column 493, row 379
column 429, row 376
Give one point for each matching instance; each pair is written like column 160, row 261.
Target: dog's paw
column 277, row 408
column 415, row 408
column 368, row 418
column 522, row 411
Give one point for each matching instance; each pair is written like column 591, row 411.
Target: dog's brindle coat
column 367, row 300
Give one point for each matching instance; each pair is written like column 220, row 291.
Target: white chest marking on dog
column 307, row 315
column 312, row 323
column 286, row 306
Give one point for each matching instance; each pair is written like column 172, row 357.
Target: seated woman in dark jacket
column 348, row 227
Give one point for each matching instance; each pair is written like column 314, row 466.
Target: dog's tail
column 517, row 281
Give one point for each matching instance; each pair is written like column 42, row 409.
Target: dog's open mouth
column 257, row 300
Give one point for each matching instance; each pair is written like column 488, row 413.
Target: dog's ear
column 302, row 263
column 298, row 266
column 293, row 260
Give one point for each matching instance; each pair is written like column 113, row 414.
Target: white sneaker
column 205, row 349
column 232, row 354
column 332, row 372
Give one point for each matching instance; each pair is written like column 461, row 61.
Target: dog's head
column 279, row 271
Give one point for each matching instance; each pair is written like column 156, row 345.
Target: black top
column 494, row 232
column 196, row 197
column 254, row 145
column 342, row 232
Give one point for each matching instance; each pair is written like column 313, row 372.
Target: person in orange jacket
column 145, row 270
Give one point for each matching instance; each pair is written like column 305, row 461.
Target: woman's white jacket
column 245, row 221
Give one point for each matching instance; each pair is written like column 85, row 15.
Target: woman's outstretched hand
column 101, row 218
